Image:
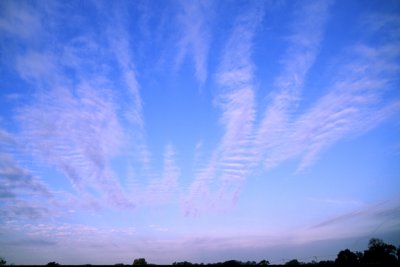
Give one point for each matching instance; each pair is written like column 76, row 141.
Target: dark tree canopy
column 293, row 262
column 346, row 257
column 263, row 262
column 182, row 263
column 380, row 252
column 139, row 261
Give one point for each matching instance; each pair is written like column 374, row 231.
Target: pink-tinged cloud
column 216, row 185
column 195, row 38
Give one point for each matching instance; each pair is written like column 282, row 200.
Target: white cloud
column 165, row 187
column 195, row 38
column 37, row 67
column 370, row 219
column 121, row 48
column 216, row 185
column 22, row 194
column 20, row 20
column 354, row 104
column 77, row 133
column 308, row 28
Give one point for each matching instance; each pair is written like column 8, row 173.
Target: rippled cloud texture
column 197, row 130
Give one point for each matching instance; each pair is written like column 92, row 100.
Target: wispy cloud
column 370, row 220
column 73, row 122
column 37, row 67
column 84, row 106
column 121, row 48
column 303, row 46
column 78, row 134
column 21, row 193
column 389, row 208
column 195, row 39
column 354, row 104
column 240, row 148
column 19, row 19
column 164, row 187
column 229, row 162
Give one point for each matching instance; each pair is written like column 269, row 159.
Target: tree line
column 378, row 253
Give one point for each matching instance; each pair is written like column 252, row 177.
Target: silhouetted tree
column 263, row 262
column 182, row 263
column 293, row 262
column 2, row 261
column 360, row 256
column 326, row 263
column 232, row 263
column 398, row 254
column 140, row 261
column 380, row 252
column 53, row 263
column 346, row 257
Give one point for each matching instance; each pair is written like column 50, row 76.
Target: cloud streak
column 303, row 46
column 21, row 193
column 78, row 134
column 354, row 104
column 85, row 109
column 229, row 162
column 195, row 37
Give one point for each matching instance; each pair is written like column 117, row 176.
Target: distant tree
column 232, row 263
column 360, row 256
column 182, row 263
column 326, row 263
column 2, row 261
column 346, row 257
column 263, row 262
column 398, row 254
column 53, row 263
column 139, row 261
column 293, row 262
column 379, row 252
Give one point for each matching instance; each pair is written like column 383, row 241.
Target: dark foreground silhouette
column 378, row 254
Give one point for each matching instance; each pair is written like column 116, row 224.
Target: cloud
column 121, row 48
column 160, row 190
column 371, row 220
column 195, row 39
column 72, row 121
column 62, row 235
column 21, row 193
column 19, row 19
column 80, row 117
column 78, row 134
column 303, row 46
column 386, row 211
column 228, row 163
column 81, row 112
column 354, row 104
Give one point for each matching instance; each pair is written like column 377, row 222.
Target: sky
column 202, row 131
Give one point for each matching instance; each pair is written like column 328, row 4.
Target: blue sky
column 197, row 130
